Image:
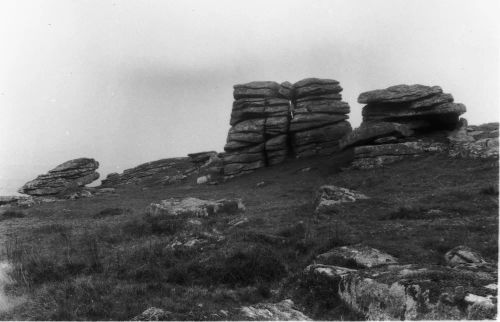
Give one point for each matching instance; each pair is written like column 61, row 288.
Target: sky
column 127, row 82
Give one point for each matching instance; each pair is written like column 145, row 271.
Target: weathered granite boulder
column 463, row 255
column 402, row 103
column 282, row 311
column 315, row 87
column 329, row 197
column 399, row 94
column 257, row 89
column 68, row 175
column 370, row 131
column 164, row 171
column 153, row 314
column 408, row 292
column 194, row 207
column 360, row 255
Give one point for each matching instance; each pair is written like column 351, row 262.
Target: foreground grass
column 102, row 259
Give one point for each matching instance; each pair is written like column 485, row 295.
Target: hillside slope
column 101, row 258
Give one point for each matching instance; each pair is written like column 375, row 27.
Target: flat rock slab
column 282, row 311
column 258, row 89
column 361, row 255
column 329, row 196
column 398, row 94
column 194, row 207
column 371, row 131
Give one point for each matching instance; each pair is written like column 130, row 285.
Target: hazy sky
column 126, row 82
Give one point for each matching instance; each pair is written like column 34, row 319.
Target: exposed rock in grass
column 404, row 292
column 463, row 255
column 282, row 311
column 7, row 200
column 152, row 314
column 194, row 207
column 360, row 255
column 474, row 144
column 68, row 175
column 328, row 197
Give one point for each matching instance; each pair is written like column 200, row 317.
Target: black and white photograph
column 264, row 160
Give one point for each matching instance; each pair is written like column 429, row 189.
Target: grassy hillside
column 101, row 259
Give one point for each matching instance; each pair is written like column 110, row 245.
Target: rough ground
column 75, row 261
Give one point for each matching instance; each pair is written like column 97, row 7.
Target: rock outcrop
column 72, row 174
column 408, row 292
column 194, row 207
column 477, row 142
column 271, row 121
column 319, row 117
column 163, row 172
column 402, row 121
column 282, row 311
column 329, row 197
column 360, row 255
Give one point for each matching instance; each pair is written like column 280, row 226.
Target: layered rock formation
column 318, row 117
column 69, row 175
column 164, row 171
column 406, row 120
column 260, row 120
column 272, row 121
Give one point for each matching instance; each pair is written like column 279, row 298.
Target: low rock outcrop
column 477, row 142
column 409, row 292
column 194, row 207
column 152, row 314
column 360, row 255
column 463, row 255
column 282, row 311
column 329, row 197
column 72, row 174
column 160, row 172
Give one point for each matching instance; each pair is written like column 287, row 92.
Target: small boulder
column 329, row 196
column 153, row 314
column 362, row 256
column 282, row 311
column 463, row 255
column 194, row 207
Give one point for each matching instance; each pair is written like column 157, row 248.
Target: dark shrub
column 12, row 214
column 109, row 212
column 490, row 190
column 408, row 213
column 251, row 265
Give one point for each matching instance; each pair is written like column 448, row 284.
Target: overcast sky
column 126, row 82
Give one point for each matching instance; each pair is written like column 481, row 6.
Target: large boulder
column 68, row 175
column 405, row 103
column 408, row 292
column 398, row 94
column 315, row 87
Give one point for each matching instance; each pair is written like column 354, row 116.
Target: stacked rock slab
column 319, row 117
column 164, row 171
column 260, row 120
column 398, row 116
column 68, row 175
